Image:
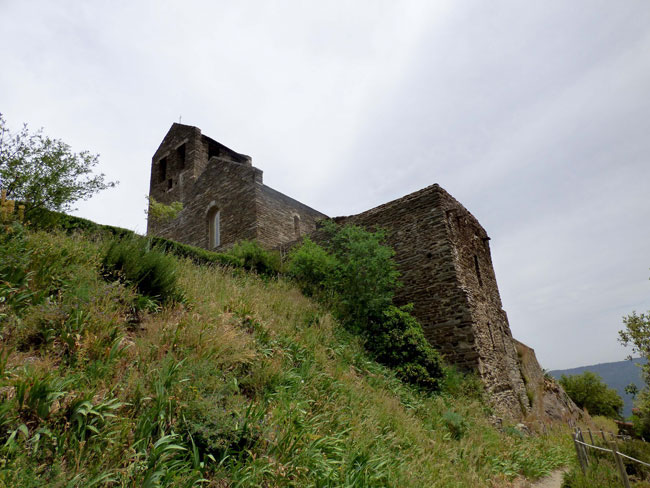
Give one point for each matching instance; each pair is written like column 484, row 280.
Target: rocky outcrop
column 549, row 401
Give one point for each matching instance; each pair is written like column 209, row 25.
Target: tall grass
column 244, row 383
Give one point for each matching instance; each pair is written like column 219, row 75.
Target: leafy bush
column 366, row 276
column 589, row 391
column 457, row 383
column 312, row 268
column 217, row 430
column 196, row 254
column 152, row 272
column 637, row 449
column 599, row 475
column 397, row 340
column 254, row 257
column 355, row 275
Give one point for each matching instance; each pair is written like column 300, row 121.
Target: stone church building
column 442, row 253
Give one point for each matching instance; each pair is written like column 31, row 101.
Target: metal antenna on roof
column 179, row 119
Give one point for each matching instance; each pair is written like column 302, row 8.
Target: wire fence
column 583, row 454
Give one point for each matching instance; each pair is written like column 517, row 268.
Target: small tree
column 45, row 173
column 589, row 391
column 637, row 335
column 161, row 213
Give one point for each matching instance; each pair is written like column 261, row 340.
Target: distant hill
column 616, row 375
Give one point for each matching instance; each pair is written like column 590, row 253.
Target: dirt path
column 552, row 481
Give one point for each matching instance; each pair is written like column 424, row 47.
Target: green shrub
column 152, row 272
column 44, row 219
column 312, row 268
column 457, row 383
column 637, row 449
column 217, row 429
column 588, row 390
column 365, row 277
column 254, row 257
column 599, row 475
column 356, row 276
column 396, row 340
column 195, row 254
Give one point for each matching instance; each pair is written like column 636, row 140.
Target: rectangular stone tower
column 443, row 255
column 224, row 198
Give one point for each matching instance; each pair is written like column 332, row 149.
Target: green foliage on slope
column 354, row 274
column 589, row 391
column 245, row 382
column 617, row 375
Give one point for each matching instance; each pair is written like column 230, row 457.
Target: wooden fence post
column 603, row 434
column 621, row 466
column 579, row 454
column 584, row 449
column 591, row 437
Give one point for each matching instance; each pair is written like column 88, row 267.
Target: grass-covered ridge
column 241, row 382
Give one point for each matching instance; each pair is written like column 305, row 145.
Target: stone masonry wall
column 498, row 365
column 230, row 187
column 441, row 250
column 424, row 257
column 282, row 219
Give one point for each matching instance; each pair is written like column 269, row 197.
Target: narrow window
column 296, row 225
column 180, row 154
column 170, row 184
column 214, row 228
column 478, row 270
column 491, row 335
column 162, row 170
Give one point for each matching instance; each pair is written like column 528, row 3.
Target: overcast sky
column 534, row 115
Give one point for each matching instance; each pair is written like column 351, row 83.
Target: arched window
column 296, row 225
column 214, row 228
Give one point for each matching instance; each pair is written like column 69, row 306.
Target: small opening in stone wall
column 180, row 154
column 478, row 270
column 213, row 151
column 170, row 184
column 162, row 170
column 296, row 225
column 214, row 228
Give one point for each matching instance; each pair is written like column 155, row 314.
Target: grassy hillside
column 235, row 380
column 616, row 375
